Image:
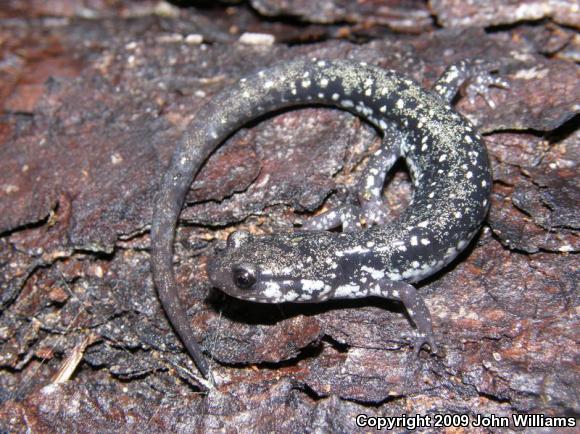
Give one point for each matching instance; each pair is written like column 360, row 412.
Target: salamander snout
column 223, row 268
column 219, row 272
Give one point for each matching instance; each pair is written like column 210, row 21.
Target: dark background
column 93, row 97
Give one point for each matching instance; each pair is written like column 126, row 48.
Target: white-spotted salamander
column 446, row 158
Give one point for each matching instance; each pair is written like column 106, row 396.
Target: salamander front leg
column 348, row 216
column 370, row 186
column 474, row 71
column 416, row 309
column 371, row 209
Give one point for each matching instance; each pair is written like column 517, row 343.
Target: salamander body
column 448, row 164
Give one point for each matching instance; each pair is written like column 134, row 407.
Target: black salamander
column 446, row 158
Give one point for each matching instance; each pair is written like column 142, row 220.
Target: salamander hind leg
column 476, row 72
column 416, row 309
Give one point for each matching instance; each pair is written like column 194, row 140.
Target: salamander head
column 272, row 268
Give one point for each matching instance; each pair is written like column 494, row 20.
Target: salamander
column 371, row 256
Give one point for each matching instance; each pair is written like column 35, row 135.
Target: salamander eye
column 243, row 277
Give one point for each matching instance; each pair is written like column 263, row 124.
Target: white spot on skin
column 355, row 250
column 400, row 104
column 414, row 241
column 291, row 296
column 346, row 291
column 425, row 241
column 335, row 96
column 443, row 158
column 347, row 103
column 483, row 183
column 309, row 285
column 272, row 291
column 375, row 274
column 423, row 224
column 400, row 245
column 452, row 74
column 414, row 274
column 324, row 82
column 375, row 290
column 306, row 83
column 469, row 174
column 415, row 264
column 394, row 276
